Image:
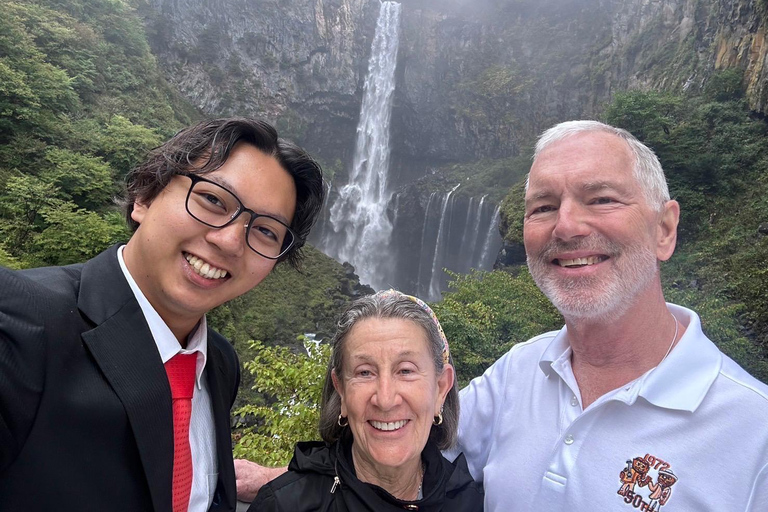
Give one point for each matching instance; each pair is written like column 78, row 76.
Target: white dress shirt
column 201, row 426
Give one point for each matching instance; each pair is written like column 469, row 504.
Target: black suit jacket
column 85, row 404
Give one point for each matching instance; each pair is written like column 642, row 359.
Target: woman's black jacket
column 322, row 478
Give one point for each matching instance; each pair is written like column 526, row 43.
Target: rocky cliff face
column 476, row 78
column 298, row 63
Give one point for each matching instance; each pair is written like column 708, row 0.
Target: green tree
column 647, row 115
column 84, row 180
column 74, row 234
column 293, row 382
column 486, row 313
column 124, row 144
column 21, row 206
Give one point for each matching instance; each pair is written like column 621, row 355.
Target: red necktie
column 181, row 375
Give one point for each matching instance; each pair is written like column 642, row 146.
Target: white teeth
column 591, row 260
column 204, row 269
column 394, row 425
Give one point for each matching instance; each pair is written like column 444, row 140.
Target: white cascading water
column 437, row 270
column 423, row 244
column 359, row 215
column 492, row 229
column 471, row 246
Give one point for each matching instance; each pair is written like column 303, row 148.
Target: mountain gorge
column 89, row 85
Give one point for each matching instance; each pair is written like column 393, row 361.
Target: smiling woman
column 389, row 406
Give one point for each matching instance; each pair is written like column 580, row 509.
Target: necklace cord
column 674, row 338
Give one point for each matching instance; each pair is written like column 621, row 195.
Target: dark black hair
column 206, row 146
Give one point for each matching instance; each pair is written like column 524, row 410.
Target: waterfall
column 467, row 224
column 396, row 208
column 359, row 216
column 423, row 244
column 476, row 235
column 493, row 229
column 434, row 283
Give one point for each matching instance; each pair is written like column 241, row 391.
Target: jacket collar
column 440, row 476
column 124, row 350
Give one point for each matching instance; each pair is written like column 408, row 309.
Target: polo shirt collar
column 680, row 382
column 683, row 379
column 557, row 354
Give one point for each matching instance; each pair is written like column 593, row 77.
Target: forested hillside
column 81, row 99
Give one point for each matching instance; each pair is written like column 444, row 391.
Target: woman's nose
column 386, row 396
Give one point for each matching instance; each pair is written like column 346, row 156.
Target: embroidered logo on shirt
column 646, row 483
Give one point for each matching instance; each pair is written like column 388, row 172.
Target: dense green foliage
column 486, row 313
column 293, row 381
column 81, row 100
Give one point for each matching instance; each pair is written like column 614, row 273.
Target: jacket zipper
column 336, row 483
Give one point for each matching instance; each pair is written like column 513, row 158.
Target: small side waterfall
column 456, row 232
column 493, row 228
column 423, row 247
column 437, row 260
column 359, row 215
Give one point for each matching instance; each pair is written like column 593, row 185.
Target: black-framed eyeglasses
column 216, row 207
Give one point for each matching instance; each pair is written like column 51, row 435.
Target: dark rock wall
column 476, row 78
column 298, row 63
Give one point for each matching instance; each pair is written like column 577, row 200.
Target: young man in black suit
column 87, row 416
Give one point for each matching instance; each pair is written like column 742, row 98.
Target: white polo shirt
column 697, row 416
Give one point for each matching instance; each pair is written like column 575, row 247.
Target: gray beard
column 596, row 298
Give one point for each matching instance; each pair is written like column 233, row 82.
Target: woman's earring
column 438, row 420
column 346, row 421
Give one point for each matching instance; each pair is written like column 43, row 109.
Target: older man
column 563, row 421
column 630, row 397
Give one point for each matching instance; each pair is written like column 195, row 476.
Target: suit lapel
column 124, row 350
column 220, row 402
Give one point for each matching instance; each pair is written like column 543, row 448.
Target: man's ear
column 139, row 211
column 667, row 230
column 340, row 390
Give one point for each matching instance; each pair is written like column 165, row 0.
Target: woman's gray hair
column 386, row 304
column 647, row 170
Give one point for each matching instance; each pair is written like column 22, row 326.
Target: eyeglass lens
column 215, row 206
